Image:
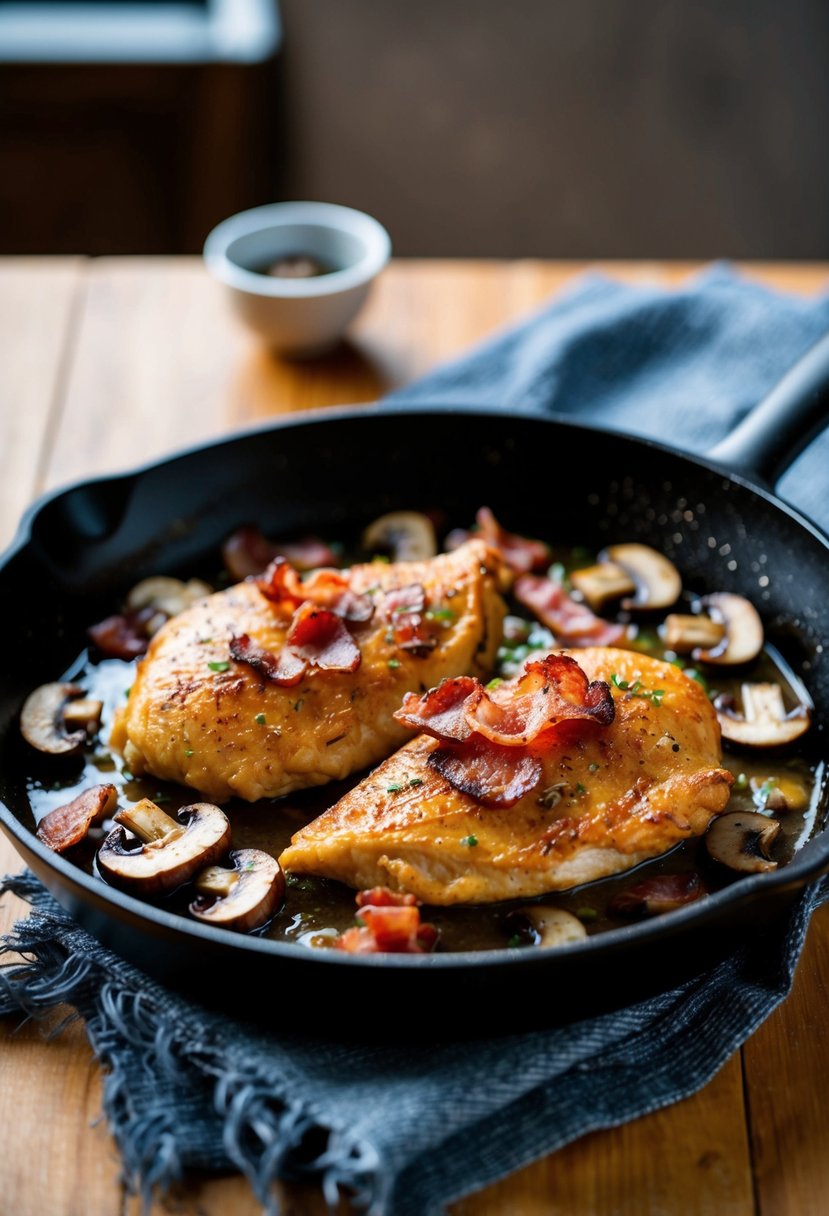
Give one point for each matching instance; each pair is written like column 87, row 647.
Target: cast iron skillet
column 79, row 550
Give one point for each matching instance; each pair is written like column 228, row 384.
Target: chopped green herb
column 205, row 641
column 586, row 913
column 766, row 789
column 188, row 751
column 440, row 614
column 515, row 941
column 394, row 789
column 260, row 720
column 381, row 557
column 249, row 865
column 637, row 689
column 580, row 789
column 469, row 841
column 741, row 782
column 160, row 797
column 558, row 573
column 494, row 683
column 219, row 665
column 415, row 781
column 126, row 774
column 699, row 677
column 394, row 664
column 593, row 766
column 127, row 692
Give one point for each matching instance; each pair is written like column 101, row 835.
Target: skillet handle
column 776, row 431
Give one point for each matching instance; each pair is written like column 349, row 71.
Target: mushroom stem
column 684, row 633
column 602, row 583
column 83, row 714
column 149, row 823
column 216, row 881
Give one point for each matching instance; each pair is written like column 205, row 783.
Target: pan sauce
column 316, row 910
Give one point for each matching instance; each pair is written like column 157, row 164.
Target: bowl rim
column 334, row 216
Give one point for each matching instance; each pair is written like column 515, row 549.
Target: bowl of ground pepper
column 297, row 273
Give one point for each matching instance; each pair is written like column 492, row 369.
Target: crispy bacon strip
column 405, row 607
column 247, row 553
column 658, row 894
column 571, row 622
column 328, row 589
column 492, row 741
column 322, row 639
column 492, row 775
column 285, row 669
column 520, row 553
column 124, row 635
column 390, row 924
column 68, row 825
column 518, row 714
column 316, row 638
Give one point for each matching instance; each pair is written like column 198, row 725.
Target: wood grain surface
column 107, row 363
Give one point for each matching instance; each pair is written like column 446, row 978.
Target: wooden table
column 107, row 363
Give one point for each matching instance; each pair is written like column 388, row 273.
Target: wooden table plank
column 156, row 364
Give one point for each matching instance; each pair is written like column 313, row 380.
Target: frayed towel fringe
column 264, row 1131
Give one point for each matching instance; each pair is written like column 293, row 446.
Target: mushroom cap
column 408, row 535
column 41, row 720
column 658, row 584
column 744, row 635
column 553, row 926
column 68, row 825
column 741, row 840
column 248, row 895
column 199, row 835
column 765, row 722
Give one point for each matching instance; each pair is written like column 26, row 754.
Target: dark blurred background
column 603, row 128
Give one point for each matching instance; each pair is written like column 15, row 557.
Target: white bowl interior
column 335, row 249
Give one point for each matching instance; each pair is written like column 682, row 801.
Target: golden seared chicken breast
column 278, row 683
column 571, row 772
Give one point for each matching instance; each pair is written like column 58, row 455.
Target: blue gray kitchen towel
column 408, row 1128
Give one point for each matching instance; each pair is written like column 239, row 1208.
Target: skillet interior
column 79, row 551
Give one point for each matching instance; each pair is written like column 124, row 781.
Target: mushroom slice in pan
column 552, row 926
column 68, row 825
column 45, row 717
column 602, row 583
column 407, row 536
column 684, row 632
column 657, row 580
column 242, row 898
column 166, row 597
column 741, row 840
column 171, row 850
column 743, row 638
column 764, row 721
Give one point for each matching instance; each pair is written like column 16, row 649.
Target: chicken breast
column 609, row 798
column 197, row 716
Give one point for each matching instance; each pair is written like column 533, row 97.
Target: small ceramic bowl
column 298, row 316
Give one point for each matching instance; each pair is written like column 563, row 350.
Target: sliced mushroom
column 407, row 536
column 171, row 850
column 46, row 715
column 166, row 597
column 656, row 895
column 68, row 825
column 552, row 926
column 603, row 583
column 657, row 580
column 741, row 840
column 242, row 898
column 743, row 639
column 764, row 721
column 684, row 633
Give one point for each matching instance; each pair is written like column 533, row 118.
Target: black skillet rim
column 811, row 862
